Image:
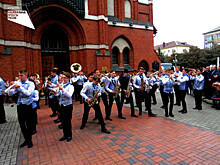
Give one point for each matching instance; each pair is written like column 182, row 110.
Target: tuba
column 76, row 67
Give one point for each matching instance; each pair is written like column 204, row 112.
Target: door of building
column 54, row 51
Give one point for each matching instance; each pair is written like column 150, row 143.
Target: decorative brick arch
column 43, row 19
column 122, row 42
column 144, row 64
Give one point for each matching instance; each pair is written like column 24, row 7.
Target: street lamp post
column 175, row 60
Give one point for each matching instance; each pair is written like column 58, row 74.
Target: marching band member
column 140, row 83
column 2, row 110
column 168, row 83
column 177, row 74
column 153, row 83
column 90, row 92
column 198, row 88
column 66, row 106
column 53, row 99
column 35, row 97
column 80, row 82
column 126, row 83
column 183, row 81
column 112, row 86
column 73, row 81
column 163, row 74
column 25, row 89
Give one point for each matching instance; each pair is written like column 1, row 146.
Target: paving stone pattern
column 9, row 137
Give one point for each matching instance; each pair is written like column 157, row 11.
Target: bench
column 216, row 101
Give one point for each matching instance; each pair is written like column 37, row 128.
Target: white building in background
column 170, row 48
column 212, row 37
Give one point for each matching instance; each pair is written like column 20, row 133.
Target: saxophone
column 94, row 99
column 143, row 83
column 129, row 88
column 117, row 89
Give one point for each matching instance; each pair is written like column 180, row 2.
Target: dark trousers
column 168, row 97
column 182, row 94
column 162, row 94
column 111, row 100
column 75, row 94
column 98, row 112
column 147, row 101
column 135, row 95
column 177, row 93
column 2, row 109
column 198, row 98
column 140, row 96
column 25, row 119
column 54, row 104
column 46, row 94
column 105, row 101
column 152, row 93
column 66, row 117
column 78, row 93
column 34, row 111
column 130, row 100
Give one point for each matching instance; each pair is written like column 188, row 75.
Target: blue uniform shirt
column 2, row 86
column 167, row 84
column 183, row 82
column 198, row 82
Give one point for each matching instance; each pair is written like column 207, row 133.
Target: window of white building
column 111, row 7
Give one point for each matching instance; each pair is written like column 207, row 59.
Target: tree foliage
column 197, row 57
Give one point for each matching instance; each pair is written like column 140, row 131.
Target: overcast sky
column 184, row 20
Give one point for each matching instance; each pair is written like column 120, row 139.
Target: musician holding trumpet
column 25, row 89
column 65, row 105
column 90, row 93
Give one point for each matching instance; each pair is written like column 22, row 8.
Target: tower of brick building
column 112, row 34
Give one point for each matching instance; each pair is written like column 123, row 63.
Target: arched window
column 115, row 54
column 127, row 9
column 111, row 7
column 126, row 55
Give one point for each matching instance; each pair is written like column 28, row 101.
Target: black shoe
column 140, row 113
column 57, row 120
column 171, row 115
column 154, row 103
column 34, row 132
column 105, row 131
column 30, row 144
column 2, row 122
column 199, row 108
column 135, row 106
column 134, row 116
column 146, row 109
column 12, row 105
column 127, row 102
column 184, row 111
column 108, row 118
column 177, row 104
column 23, row 144
column 82, row 126
column 162, row 106
column 60, row 126
column 68, row 139
column 152, row 115
column 62, row 138
column 53, row 115
column 166, row 115
column 122, row 117
column 180, row 111
column 195, row 108
column 95, row 118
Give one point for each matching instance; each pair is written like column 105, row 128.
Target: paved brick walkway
column 9, row 137
column 142, row 140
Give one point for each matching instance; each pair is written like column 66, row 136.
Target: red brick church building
column 112, row 34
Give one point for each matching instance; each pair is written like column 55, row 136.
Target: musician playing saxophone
column 112, row 86
column 90, row 92
column 140, row 81
column 126, row 85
